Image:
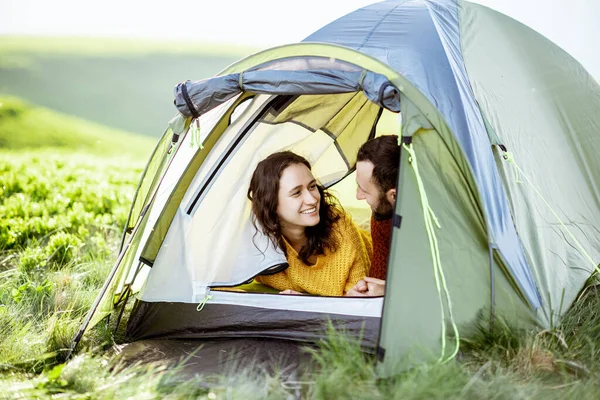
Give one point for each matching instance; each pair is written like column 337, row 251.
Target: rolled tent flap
column 195, row 98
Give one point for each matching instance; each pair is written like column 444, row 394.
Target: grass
column 60, row 222
column 25, row 126
column 65, row 189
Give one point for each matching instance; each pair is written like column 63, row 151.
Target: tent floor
column 219, row 356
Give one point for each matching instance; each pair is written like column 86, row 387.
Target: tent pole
column 129, row 291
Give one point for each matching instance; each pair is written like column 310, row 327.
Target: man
column 376, row 176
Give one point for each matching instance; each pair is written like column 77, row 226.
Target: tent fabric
column 462, row 241
column 205, row 95
column 154, row 169
column 186, row 164
column 543, row 107
column 429, row 32
column 183, row 321
column 156, row 190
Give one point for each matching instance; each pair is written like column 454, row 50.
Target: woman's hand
column 289, row 291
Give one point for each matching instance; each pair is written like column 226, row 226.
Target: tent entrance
column 211, row 241
column 212, row 245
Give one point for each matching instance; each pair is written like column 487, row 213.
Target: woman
column 326, row 252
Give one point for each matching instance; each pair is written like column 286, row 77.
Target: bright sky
column 572, row 24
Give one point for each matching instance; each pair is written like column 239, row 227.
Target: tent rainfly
column 497, row 213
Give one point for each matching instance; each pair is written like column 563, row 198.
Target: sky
column 571, row 24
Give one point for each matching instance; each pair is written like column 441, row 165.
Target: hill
column 125, row 84
column 25, row 126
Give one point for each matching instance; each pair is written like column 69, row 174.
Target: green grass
column 124, row 84
column 24, row 126
column 61, row 217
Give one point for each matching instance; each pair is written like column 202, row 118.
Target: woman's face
column 298, row 198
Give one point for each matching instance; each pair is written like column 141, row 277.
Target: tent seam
column 375, row 27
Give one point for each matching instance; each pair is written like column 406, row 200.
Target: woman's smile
column 310, row 211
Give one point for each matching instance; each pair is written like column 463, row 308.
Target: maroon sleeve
column 381, row 233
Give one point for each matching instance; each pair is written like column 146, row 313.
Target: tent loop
column 508, row 156
column 203, row 302
column 431, row 219
column 241, row 81
column 195, row 139
column 361, row 79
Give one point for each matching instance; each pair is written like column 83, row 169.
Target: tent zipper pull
column 195, row 139
column 205, row 300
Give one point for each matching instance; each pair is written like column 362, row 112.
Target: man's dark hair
column 384, row 153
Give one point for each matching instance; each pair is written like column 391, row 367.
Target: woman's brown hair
column 264, row 194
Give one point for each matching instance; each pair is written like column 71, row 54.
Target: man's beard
column 384, row 209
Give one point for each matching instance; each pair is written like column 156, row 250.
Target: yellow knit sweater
column 334, row 273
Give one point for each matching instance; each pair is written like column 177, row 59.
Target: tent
column 497, row 213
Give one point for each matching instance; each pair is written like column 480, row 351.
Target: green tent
column 497, row 214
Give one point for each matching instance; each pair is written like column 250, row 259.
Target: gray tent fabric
column 442, row 77
column 176, row 320
column 196, row 98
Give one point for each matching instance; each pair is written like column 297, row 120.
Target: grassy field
column 65, row 189
column 124, row 84
column 25, row 126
